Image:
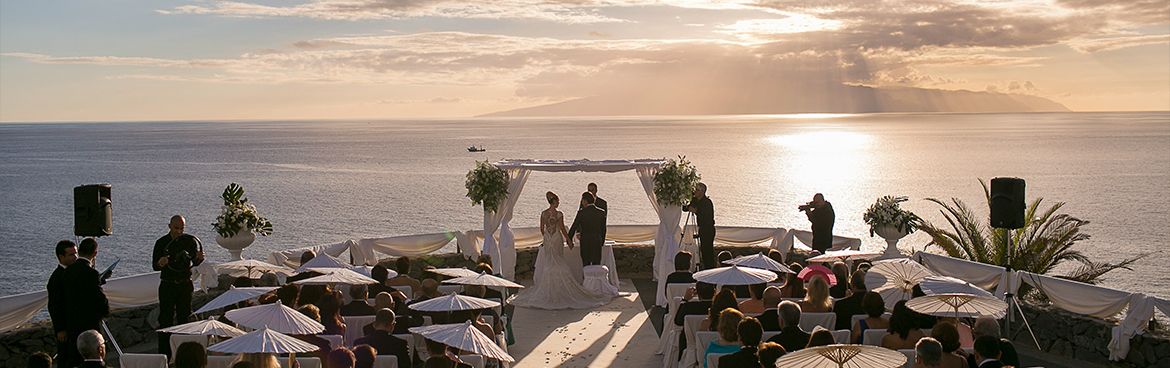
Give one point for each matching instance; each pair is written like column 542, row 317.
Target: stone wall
column 1087, row 338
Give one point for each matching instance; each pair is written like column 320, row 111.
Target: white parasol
column 277, row 317
column 894, row 279
column 950, row 285
column 234, row 295
column 368, row 271
column 760, row 261
column 464, row 336
column 842, row 356
column 323, row 261
column 336, row 276
column 735, row 275
column 453, row 302
column 248, row 267
column 485, row 280
column 958, row 305
column 264, row 341
column 844, row 256
column 207, row 327
column 454, row 272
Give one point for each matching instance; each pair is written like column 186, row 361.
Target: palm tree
column 1045, row 241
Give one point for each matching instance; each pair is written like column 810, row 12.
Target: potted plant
column 889, row 221
column 674, row 183
column 488, row 185
column 238, row 222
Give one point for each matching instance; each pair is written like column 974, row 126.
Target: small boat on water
column 476, row 149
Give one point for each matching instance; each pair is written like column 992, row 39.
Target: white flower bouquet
column 886, row 212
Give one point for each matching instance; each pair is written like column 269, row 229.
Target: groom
column 591, row 221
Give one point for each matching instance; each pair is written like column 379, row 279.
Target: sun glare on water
column 825, row 141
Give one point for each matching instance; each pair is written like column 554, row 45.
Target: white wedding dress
column 554, row 286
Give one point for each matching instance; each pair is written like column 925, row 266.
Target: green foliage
column 1045, row 242
column 239, row 215
column 674, row 183
column 886, row 212
column 487, row 185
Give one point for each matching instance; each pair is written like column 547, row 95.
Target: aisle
column 618, row 334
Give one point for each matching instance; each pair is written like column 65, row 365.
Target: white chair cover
column 597, row 280
column 842, row 336
column 873, row 337
column 702, row 339
column 144, row 360
column 335, row 341
column 354, row 326
column 668, row 341
column 304, row 362
column 713, row 359
column 808, row 321
column 177, row 340
column 690, row 326
column 385, row 361
column 220, row 361
column 450, row 289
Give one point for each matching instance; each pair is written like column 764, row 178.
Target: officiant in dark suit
column 85, row 302
column 590, row 221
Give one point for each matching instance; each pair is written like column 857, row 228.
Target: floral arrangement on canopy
column 488, row 185
column 886, row 212
column 674, row 183
column 239, row 215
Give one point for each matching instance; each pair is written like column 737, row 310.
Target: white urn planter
column 236, row 244
column 891, row 234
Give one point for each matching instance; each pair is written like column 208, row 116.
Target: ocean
column 328, row 181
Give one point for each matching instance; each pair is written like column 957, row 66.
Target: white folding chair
column 475, row 361
column 385, row 361
column 669, row 339
column 873, row 337
column 842, row 336
column 690, row 325
column 144, row 360
column 713, row 359
column 335, row 341
column 405, row 290
column 702, row 339
column 220, row 361
column 177, row 339
column 809, row 321
column 354, row 326
column 910, row 356
column 304, row 362
column 427, row 321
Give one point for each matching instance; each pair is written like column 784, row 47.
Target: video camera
column 805, row 207
column 179, row 258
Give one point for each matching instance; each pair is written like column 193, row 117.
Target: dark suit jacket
column 590, row 221
column 387, row 344
column 402, row 324
column 769, row 320
column 745, row 357
column 57, row 294
column 691, row 308
column 792, row 338
column 357, row 308
column 85, row 302
column 1007, row 355
column 604, row 206
column 680, row 277
column 846, row 309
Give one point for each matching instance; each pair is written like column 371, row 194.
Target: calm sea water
column 327, row 181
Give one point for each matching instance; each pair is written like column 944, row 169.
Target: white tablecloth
column 573, row 257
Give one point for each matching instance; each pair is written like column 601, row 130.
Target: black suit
column 85, row 304
column 1007, row 355
column 745, row 357
column 386, row 344
column 357, row 308
column 604, row 206
column 57, row 291
column 590, row 221
column 846, row 309
column 792, row 338
column 769, row 320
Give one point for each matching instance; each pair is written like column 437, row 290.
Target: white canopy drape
column 805, row 237
column 985, row 276
column 122, row 292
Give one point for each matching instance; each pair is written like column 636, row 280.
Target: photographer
column 820, row 214
column 705, row 219
column 175, row 254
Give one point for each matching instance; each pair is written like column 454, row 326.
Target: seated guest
column 948, row 335
column 874, row 308
column 307, row 256
column 39, row 360
column 473, row 316
column 769, row 353
column 755, row 304
column 341, row 358
column 770, row 319
column 987, row 352
column 382, row 339
column 791, row 337
column 441, row 357
column 682, row 269
column 793, row 286
column 841, row 272
column 359, row 306
column 479, row 291
column 725, row 299
column 966, row 336
column 190, row 354
column 486, row 269
column 379, row 273
column 311, row 294
column 928, row 353
column 923, row 320
column 775, row 255
column 364, row 356
column 268, row 279
column 851, row 305
column 705, row 293
column 816, row 299
column 904, row 334
column 987, row 326
column 820, row 337
column 750, row 334
column 288, row 295
column 429, row 288
column 402, row 265
column 728, row 328
column 257, row 360
column 402, row 323
column 323, row 346
column 330, row 308
column 92, row 348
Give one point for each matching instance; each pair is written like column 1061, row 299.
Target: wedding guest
column 258, row 360
column 987, row 326
column 966, row 336
column 364, row 356
column 947, row 334
column 288, row 295
column 441, row 357
column 403, row 322
column 820, row 337
column 850, row 306
column 311, row 294
column 429, row 288
column 705, row 294
column 750, row 334
column 769, row 353
column 323, row 346
column 341, row 358
column 725, row 299
column 474, row 317
column 486, row 268
column 382, row 339
column 402, row 265
column 85, row 301
column 479, row 291
column 268, row 279
column 307, row 256
column 775, row 255
column 728, row 328
column 755, row 304
column 841, row 272
column 39, row 360
column 793, row 286
column 682, row 269
column 816, row 299
column 92, row 348
column 874, row 308
column 987, row 352
column 330, row 308
column 928, row 353
column 791, row 336
column 190, row 354
column 379, row 273
column 770, row 319
column 359, row 306
column 903, row 332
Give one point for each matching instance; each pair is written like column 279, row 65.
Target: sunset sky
column 118, row 60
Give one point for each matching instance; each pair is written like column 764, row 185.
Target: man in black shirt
column 820, row 214
column 174, row 255
column 58, row 291
column 705, row 219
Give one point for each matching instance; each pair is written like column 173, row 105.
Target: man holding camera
column 820, row 214
column 705, row 219
column 175, row 254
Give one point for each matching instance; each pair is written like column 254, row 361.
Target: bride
column 554, row 286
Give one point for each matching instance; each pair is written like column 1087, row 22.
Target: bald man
column 174, row 255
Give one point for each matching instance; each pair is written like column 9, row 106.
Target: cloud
column 1114, row 43
column 1125, row 11
column 354, row 10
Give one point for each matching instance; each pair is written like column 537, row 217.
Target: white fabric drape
column 742, row 236
column 503, row 252
column 1141, row 310
column 365, row 251
column 630, row 233
column 1077, row 297
column 805, row 238
column 985, row 276
column 15, row 310
column 292, row 257
column 1162, row 305
column 122, row 292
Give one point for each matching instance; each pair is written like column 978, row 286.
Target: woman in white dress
column 554, row 286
